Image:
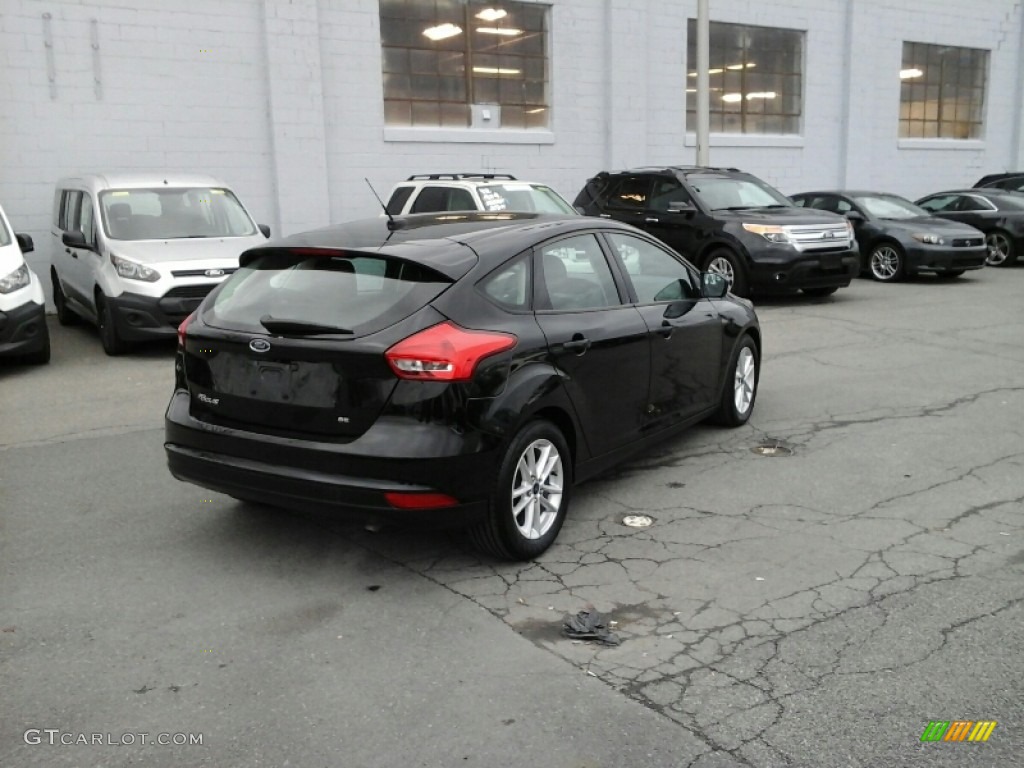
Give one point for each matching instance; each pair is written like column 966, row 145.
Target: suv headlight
column 926, row 237
column 19, row 278
column 133, row 271
column 773, row 233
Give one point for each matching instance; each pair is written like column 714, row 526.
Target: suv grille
column 819, row 237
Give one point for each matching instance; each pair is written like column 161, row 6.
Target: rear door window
column 629, row 193
column 345, row 293
column 575, row 275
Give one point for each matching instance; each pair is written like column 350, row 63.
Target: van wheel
column 64, row 314
column 113, row 344
column 529, row 504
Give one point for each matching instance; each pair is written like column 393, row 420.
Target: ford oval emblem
column 214, row 273
column 259, row 345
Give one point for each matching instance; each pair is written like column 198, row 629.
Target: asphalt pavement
column 815, row 587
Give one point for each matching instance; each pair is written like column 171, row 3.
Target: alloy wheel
column 722, row 266
column 885, row 263
column 537, row 489
column 744, row 380
column 998, row 249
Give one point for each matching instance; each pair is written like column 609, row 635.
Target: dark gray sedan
column 897, row 238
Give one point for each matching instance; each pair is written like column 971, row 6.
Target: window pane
column 943, row 90
column 576, row 276
column 447, row 54
column 656, row 275
column 754, row 71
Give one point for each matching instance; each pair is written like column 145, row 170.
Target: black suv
column 732, row 223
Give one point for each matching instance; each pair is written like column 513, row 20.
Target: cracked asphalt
column 813, row 607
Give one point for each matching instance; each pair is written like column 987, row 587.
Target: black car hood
column 789, row 215
column 927, row 224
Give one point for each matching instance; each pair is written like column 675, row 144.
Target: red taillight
column 445, row 352
column 402, row 500
column 182, row 331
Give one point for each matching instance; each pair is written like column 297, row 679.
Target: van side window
column 86, row 220
column 67, row 219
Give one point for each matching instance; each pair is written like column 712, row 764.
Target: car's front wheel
column 740, row 388
column 64, row 314
column 112, row 342
column 886, row 263
column 529, row 504
column 1000, row 249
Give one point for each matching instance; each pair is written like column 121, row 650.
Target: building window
column 942, row 92
column 442, row 57
column 756, row 76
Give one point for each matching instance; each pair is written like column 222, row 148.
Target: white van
column 22, row 304
column 135, row 254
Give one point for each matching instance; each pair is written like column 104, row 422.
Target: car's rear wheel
column 529, row 504
column 112, row 342
column 64, row 314
column 740, row 388
column 727, row 264
column 1000, row 249
column 820, row 292
column 886, row 263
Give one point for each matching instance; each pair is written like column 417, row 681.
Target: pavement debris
column 589, row 625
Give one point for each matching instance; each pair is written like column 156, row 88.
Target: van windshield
column 5, row 236
column 169, row 213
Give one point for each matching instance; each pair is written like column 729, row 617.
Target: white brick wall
column 283, row 100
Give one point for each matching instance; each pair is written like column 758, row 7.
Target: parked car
column 135, row 254
column 897, row 238
column 449, row 369
column 731, row 223
column 439, row 192
column 1012, row 181
column 996, row 212
column 23, row 331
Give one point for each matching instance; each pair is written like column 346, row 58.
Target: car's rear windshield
column 349, row 292
column 532, row 198
column 170, row 213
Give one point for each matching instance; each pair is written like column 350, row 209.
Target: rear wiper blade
column 280, row 325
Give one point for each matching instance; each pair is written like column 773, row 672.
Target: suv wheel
column 113, row 344
column 64, row 314
column 725, row 263
column 529, row 504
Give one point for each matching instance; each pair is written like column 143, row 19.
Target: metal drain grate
column 638, row 521
column 772, row 448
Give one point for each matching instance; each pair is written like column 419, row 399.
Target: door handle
column 74, row 254
column 579, row 344
column 605, row 215
column 651, row 220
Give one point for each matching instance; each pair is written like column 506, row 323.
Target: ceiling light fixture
column 442, row 31
column 907, row 74
column 507, row 31
column 492, row 14
column 761, row 95
column 732, row 98
column 496, row 71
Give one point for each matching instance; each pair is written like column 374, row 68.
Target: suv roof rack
column 681, row 168
column 457, row 176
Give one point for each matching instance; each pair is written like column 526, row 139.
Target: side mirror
column 713, row 285
column 25, row 243
column 75, row 239
column 855, row 216
column 264, row 229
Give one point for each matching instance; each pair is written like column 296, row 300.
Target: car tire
column 1001, row 252
column 526, row 511
column 740, row 390
column 886, row 262
column 112, row 342
column 727, row 264
column 820, row 293
column 65, row 316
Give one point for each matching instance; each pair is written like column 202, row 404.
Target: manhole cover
column 637, row 521
column 772, row 449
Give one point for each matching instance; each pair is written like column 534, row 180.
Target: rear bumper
column 346, row 480
column 23, row 329
column 939, row 260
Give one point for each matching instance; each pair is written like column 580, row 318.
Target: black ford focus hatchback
column 461, row 368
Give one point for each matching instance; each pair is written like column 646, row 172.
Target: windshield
column 533, row 198
column 719, row 193
column 889, row 207
column 5, row 236
column 331, row 292
column 170, row 213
